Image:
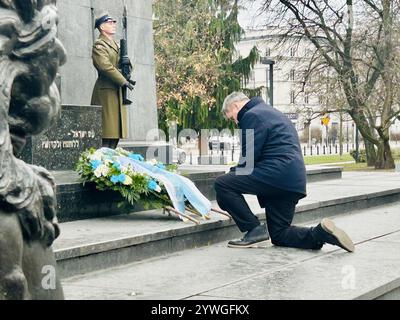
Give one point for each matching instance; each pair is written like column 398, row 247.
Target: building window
column 292, row 97
column 292, row 52
column 268, row 52
column 252, row 76
column 307, row 98
column 292, row 74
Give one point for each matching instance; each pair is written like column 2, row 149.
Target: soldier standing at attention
column 107, row 90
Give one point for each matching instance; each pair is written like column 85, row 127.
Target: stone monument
column 79, row 127
column 29, row 104
column 77, row 33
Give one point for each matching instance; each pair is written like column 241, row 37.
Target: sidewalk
column 217, row 272
column 324, row 194
column 217, row 167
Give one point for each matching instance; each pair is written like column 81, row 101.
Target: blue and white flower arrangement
column 103, row 167
column 149, row 183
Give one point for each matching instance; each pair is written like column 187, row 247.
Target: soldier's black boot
column 328, row 232
column 253, row 238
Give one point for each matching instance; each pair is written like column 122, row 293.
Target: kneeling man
column 272, row 167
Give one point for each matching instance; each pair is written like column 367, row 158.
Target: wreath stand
column 188, row 217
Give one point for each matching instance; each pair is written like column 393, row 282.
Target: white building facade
column 289, row 95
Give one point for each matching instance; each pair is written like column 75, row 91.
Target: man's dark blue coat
column 278, row 161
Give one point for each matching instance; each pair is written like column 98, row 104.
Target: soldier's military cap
column 103, row 18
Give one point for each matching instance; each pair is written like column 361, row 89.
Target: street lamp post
column 347, row 135
column 265, row 60
column 357, row 145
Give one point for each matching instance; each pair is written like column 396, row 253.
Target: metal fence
column 233, row 152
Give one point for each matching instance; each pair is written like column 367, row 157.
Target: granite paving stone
column 218, row 272
column 333, row 276
column 92, row 231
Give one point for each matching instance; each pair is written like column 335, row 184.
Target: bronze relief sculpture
column 30, row 55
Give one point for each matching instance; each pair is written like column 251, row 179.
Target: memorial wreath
column 149, row 183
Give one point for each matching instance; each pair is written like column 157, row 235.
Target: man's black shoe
column 327, row 232
column 252, row 239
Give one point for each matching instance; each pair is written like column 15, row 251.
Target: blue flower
column 95, row 164
column 114, row 179
column 134, row 156
column 119, row 178
column 160, row 165
column 152, row 185
column 117, row 166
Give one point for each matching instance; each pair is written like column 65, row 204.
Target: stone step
column 77, row 202
column 218, row 273
column 314, row 172
column 95, row 244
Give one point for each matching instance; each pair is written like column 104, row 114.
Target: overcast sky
column 250, row 17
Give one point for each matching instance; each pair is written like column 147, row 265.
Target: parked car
column 223, row 142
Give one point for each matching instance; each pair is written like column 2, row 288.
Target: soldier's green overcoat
column 107, row 90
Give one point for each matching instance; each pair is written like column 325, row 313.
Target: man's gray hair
column 232, row 98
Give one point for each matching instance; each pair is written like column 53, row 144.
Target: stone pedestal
column 76, row 201
column 159, row 150
column 78, row 129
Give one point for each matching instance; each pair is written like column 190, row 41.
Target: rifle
column 125, row 64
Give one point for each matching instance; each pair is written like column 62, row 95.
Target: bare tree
column 357, row 40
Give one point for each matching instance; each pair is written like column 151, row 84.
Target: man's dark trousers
column 279, row 206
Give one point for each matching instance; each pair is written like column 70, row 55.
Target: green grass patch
column 326, row 159
column 356, row 167
column 396, row 154
column 308, row 160
column 362, row 167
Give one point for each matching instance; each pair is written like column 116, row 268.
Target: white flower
column 97, row 173
column 128, row 181
column 108, row 161
column 127, row 170
column 102, row 170
column 153, row 162
column 95, row 156
column 122, row 152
